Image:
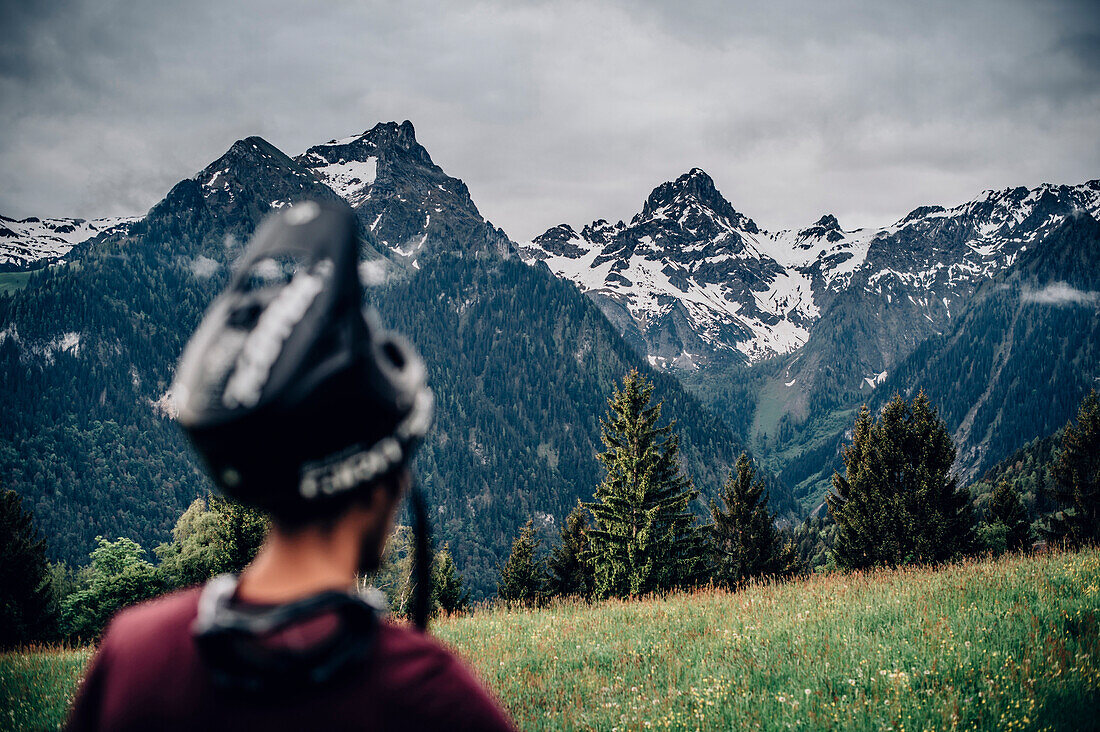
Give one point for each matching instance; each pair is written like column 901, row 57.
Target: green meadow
column 37, row 685
column 991, row 645
column 1005, row 644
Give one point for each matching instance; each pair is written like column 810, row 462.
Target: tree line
column 44, row 601
column 896, row 503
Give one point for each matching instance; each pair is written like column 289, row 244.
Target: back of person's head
column 297, row 400
column 300, row 405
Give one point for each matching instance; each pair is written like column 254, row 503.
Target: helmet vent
column 245, row 316
column 394, row 354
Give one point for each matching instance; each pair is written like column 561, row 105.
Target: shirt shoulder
column 152, row 623
column 433, row 683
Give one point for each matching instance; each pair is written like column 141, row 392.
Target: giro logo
column 347, row 473
column 264, row 343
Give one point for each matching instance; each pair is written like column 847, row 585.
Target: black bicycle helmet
column 288, row 391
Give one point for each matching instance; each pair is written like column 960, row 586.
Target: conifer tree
column 1006, row 526
column 523, row 577
column 898, row 502
column 447, row 584
column 570, row 566
column 1076, row 473
column 24, row 589
column 644, row 539
column 744, row 540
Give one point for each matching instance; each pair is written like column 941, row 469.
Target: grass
column 992, row 645
column 37, row 686
column 13, row 281
column 1005, row 645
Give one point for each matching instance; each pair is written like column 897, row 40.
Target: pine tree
column 24, row 589
column 645, row 539
column 570, row 568
column 898, row 502
column 447, row 591
column 1076, row 473
column 744, row 540
column 858, row 501
column 523, row 577
column 1006, row 526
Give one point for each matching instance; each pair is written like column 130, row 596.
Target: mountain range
column 785, row 333
column 990, row 306
column 693, row 279
column 34, row 242
column 521, row 362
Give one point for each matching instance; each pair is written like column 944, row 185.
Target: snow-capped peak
column 694, row 274
column 33, row 241
column 405, row 200
column 688, row 270
column 692, row 190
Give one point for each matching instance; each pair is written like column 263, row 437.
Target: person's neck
column 289, row 567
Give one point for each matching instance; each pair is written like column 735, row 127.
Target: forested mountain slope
column 520, row 361
column 1021, row 355
column 1015, row 362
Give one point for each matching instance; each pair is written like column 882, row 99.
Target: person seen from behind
column 302, row 406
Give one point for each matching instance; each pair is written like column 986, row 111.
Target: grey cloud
column 561, row 111
column 1059, row 294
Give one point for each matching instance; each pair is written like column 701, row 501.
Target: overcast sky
column 561, row 111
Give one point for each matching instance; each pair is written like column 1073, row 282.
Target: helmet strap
column 422, row 567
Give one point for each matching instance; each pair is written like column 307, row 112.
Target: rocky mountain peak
column 252, row 150
column 406, row 201
column 391, row 134
column 251, row 167
column 919, row 213
column 827, row 227
column 673, row 198
column 387, row 141
column 693, row 184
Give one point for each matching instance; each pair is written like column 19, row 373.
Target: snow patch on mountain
column 351, row 179
column 760, row 293
column 874, row 380
column 27, row 242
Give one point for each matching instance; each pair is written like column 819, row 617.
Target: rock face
column 410, row 206
column 691, row 280
column 687, row 276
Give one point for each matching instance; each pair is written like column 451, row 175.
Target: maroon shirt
column 147, row 675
